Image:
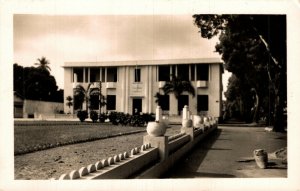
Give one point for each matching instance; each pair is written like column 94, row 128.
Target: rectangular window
column 164, row 73
column 86, row 75
column 183, row 72
column 202, row 72
column 78, row 73
column 94, row 101
column 94, row 74
column 137, row 75
column 112, row 74
column 202, row 103
column 77, row 103
column 192, row 72
column 173, row 72
column 103, row 74
column 165, row 103
column 111, row 102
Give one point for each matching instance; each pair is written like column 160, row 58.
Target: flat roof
column 145, row 62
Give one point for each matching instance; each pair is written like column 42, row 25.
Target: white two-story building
column 132, row 84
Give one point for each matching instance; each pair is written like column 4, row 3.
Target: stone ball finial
column 156, row 128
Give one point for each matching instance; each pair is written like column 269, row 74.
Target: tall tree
column 43, row 64
column 158, row 98
column 81, row 94
column 238, row 101
column 253, row 48
column 18, row 74
column 36, row 84
column 69, row 101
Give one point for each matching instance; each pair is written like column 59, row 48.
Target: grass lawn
column 29, row 137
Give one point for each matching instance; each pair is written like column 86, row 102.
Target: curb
column 240, row 125
column 50, row 145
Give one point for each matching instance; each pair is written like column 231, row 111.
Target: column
column 146, row 85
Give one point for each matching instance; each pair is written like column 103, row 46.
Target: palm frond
column 43, row 63
column 187, row 86
column 158, row 97
column 178, row 86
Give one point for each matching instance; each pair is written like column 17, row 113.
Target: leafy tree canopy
column 36, row 84
column 253, row 48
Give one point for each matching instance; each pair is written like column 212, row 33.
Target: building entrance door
column 136, row 105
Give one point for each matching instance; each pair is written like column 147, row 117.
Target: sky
column 65, row 38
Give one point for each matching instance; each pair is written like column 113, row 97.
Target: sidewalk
column 229, row 154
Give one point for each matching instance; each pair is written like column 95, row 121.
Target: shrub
column 148, row 117
column 113, row 118
column 82, row 115
column 134, row 120
column 94, row 116
column 102, row 117
column 124, row 119
column 137, row 121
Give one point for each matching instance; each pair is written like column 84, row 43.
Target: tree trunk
column 278, row 117
column 279, row 104
column 257, row 105
column 87, row 104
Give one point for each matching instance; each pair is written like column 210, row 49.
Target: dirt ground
column 219, row 157
column 52, row 163
column 229, row 154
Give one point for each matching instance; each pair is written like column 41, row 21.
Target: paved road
column 218, row 156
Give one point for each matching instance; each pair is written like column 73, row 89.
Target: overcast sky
column 106, row 37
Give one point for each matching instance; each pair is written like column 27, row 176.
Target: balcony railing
column 161, row 84
column 111, row 85
column 202, row 84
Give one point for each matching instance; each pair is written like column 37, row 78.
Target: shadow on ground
column 206, row 175
column 188, row 165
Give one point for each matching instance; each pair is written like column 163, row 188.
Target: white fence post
column 187, row 123
column 155, row 137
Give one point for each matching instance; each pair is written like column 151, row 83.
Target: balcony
column 202, row 84
column 161, row 84
column 111, row 85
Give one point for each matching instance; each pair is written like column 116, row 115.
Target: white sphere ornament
column 205, row 120
column 198, row 121
column 187, row 123
column 156, row 128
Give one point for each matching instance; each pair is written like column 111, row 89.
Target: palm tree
column 102, row 102
column 158, row 97
column 79, row 97
column 69, row 103
column 177, row 87
column 84, row 94
column 43, row 64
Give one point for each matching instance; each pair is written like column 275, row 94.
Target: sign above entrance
column 137, row 90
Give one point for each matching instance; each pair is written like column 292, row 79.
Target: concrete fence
column 154, row 158
column 42, row 109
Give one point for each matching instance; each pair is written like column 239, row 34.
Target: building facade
column 130, row 85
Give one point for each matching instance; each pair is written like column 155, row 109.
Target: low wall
column 155, row 157
column 41, row 109
column 162, row 167
column 123, row 165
